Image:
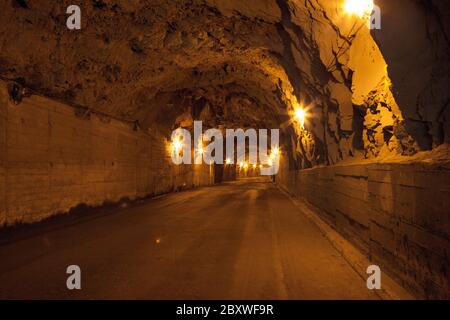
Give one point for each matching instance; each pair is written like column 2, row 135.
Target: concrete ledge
column 390, row 289
column 397, row 214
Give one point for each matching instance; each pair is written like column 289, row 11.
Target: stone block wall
column 397, row 214
column 52, row 160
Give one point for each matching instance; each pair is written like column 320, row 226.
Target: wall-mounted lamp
column 273, row 157
column 228, row 161
column 177, row 145
column 274, row 154
column 300, row 115
column 200, row 150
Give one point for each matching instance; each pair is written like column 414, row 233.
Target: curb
column 390, row 290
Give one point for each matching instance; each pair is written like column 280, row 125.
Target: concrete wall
column 229, row 172
column 398, row 214
column 51, row 161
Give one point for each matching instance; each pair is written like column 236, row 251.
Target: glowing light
column 300, row 115
column 200, row 149
column 360, row 8
column 241, row 164
column 228, row 161
column 273, row 156
column 275, row 153
column 245, row 165
column 255, row 166
column 177, row 144
column 260, row 166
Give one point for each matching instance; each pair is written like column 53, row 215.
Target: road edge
column 359, row 262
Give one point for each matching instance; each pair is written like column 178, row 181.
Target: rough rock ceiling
column 240, row 63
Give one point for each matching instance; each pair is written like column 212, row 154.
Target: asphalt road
column 240, row 240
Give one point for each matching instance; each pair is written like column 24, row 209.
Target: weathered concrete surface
column 398, row 214
column 52, row 160
column 242, row 240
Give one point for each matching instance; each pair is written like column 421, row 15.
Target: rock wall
column 251, row 63
column 415, row 41
column 52, row 160
column 396, row 213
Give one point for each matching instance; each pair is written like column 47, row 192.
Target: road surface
column 239, row 240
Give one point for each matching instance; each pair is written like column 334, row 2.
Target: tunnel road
column 239, row 240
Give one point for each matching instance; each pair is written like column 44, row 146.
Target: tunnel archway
column 274, row 48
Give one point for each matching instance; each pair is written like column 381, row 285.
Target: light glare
column 177, row 145
column 300, row 115
column 360, row 8
column 275, row 153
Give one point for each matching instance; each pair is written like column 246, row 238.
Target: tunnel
column 102, row 169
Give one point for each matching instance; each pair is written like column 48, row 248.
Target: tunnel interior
column 86, row 116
